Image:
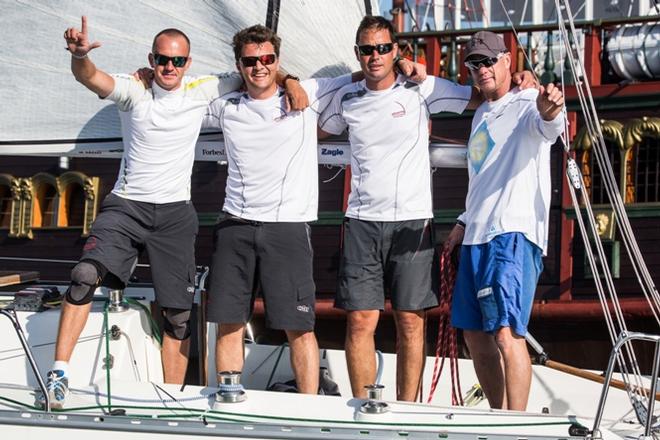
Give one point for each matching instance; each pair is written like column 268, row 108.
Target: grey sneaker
column 57, row 385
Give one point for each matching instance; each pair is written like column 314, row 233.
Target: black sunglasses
column 368, row 49
column 162, row 60
column 265, row 60
column 483, row 62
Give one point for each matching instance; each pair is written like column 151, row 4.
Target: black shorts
column 387, row 257
column 274, row 258
column 166, row 231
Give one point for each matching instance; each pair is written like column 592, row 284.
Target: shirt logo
column 479, row 147
column 400, row 112
column 303, row 308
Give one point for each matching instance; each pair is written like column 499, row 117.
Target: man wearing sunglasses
column 504, row 227
column 388, row 239
column 149, row 207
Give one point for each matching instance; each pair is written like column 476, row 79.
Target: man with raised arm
column 504, row 228
column 262, row 238
column 388, row 238
column 149, row 207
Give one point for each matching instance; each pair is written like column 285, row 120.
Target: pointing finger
column 84, row 25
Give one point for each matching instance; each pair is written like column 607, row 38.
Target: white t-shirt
column 160, row 129
column 509, row 169
column 272, row 155
column 389, row 137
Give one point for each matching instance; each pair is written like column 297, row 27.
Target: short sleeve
column 322, row 90
column 210, row 87
column 332, row 121
column 127, row 92
column 441, row 95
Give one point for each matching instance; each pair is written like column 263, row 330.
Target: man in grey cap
column 504, row 227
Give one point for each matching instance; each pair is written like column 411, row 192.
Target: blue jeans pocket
column 489, row 308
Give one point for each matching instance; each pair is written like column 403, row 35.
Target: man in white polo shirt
column 263, row 239
column 388, row 237
column 149, row 207
column 504, row 228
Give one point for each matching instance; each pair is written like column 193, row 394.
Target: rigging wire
column 600, row 152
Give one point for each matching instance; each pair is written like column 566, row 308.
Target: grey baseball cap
column 486, row 44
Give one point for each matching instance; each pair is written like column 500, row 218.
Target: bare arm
column 296, row 97
column 82, row 67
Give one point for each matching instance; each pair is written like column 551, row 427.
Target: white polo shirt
column 160, row 129
column 389, row 136
column 509, row 169
column 272, row 155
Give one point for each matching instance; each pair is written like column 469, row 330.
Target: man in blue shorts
column 504, row 227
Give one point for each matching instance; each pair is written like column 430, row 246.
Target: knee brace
column 85, row 277
column 177, row 323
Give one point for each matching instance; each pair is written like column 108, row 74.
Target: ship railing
column 627, row 46
column 11, row 315
column 644, row 414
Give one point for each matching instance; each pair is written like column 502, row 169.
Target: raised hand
column 549, row 102
column 77, row 41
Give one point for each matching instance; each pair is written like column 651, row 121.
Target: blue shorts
column 496, row 283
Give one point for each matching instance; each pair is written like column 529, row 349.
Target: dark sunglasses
column 382, row 49
column 265, row 60
column 483, row 62
column 162, row 60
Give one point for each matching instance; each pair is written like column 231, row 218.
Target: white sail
column 44, row 103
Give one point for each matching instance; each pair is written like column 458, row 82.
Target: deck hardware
column 108, row 362
column 374, row 404
column 230, row 389
column 115, row 333
column 117, row 303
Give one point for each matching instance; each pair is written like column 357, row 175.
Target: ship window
column 45, row 206
column 593, row 177
column 73, row 205
column 5, row 206
column 647, row 170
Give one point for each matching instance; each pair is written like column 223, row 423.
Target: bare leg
column 72, row 322
column 304, row 360
column 488, row 366
column 517, row 367
column 361, row 349
column 229, row 354
column 410, row 353
column 175, row 359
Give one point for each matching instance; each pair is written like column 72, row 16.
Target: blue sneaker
column 57, row 385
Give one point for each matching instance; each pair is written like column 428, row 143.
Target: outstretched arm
column 82, row 67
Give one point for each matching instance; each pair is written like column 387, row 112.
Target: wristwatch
column 289, row 76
